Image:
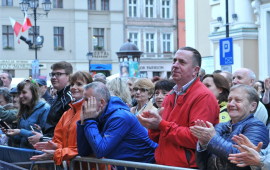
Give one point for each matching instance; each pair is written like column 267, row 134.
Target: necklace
column 137, row 112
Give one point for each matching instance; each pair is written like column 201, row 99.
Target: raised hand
column 243, row 140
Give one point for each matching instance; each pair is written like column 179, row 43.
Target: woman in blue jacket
column 32, row 111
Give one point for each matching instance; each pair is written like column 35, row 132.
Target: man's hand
column 49, row 145
column 34, row 139
column 12, row 132
column 48, row 154
column 267, row 84
column 243, row 140
column 90, row 108
column 249, row 157
column 150, row 119
column 203, row 132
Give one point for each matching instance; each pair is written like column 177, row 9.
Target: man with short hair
column 110, row 130
column 247, row 77
column 6, row 78
column 189, row 101
column 228, row 76
column 60, row 74
column 43, row 90
column 99, row 76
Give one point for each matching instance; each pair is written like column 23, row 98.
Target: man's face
column 183, row 69
column 87, row 94
column 4, row 78
column 241, row 76
column 42, row 89
column 60, row 82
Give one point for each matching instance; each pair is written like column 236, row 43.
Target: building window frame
column 7, row 2
column 149, row 42
column 58, row 36
column 58, row 4
column 166, row 9
column 134, row 36
column 166, row 42
column 149, row 9
column 132, row 8
column 105, row 5
column 91, row 4
column 99, row 33
column 9, row 35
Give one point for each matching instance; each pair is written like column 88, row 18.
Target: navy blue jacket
column 117, row 134
column 47, row 97
column 221, row 145
column 38, row 116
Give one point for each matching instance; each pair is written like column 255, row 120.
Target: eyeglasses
column 30, row 80
column 141, row 89
column 57, row 74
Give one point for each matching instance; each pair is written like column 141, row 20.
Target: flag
column 16, row 27
column 26, row 23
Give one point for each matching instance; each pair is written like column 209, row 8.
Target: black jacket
column 46, row 96
column 58, row 107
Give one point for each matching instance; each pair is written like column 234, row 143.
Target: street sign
column 226, row 68
column 226, row 51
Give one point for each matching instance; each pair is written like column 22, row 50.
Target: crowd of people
column 191, row 120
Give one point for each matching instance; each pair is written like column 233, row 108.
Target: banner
column 134, row 69
column 124, row 69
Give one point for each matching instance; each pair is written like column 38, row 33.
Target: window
column 149, row 8
column 98, row 38
column 7, row 2
column 166, row 44
column 31, row 33
column 150, row 43
column 92, row 4
column 134, row 38
column 8, row 37
column 105, row 5
column 58, row 3
column 166, row 8
column 132, row 8
column 58, row 37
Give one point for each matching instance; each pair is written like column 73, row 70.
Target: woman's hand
column 203, row 132
column 34, row 139
column 12, row 132
column 48, row 154
column 243, row 140
column 49, row 145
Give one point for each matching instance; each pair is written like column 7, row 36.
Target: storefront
column 101, row 68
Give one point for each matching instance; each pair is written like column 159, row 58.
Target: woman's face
column 25, row 95
column 141, row 94
column 259, row 86
column 209, row 83
column 76, row 89
column 3, row 102
column 238, row 105
column 16, row 101
column 159, row 97
column 130, row 86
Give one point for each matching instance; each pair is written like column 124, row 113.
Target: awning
column 101, row 66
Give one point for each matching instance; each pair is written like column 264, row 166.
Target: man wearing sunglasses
column 60, row 81
column 189, row 101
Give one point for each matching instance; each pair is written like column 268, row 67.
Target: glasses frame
column 135, row 89
column 57, row 74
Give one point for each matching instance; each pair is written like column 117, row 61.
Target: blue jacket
column 117, row 134
column 38, row 116
column 221, row 145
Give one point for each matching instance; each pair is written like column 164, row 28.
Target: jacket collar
column 63, row 91
column 235, row 125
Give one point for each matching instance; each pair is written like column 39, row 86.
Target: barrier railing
column 46, row 164
column 120, row 163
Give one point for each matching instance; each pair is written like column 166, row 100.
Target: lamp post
column 34, row 5
column 89, row 57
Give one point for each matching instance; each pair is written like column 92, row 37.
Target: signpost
column 226, row 53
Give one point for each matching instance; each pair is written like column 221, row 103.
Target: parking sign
column 226, row 51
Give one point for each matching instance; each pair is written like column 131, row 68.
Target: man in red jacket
column 189, row 101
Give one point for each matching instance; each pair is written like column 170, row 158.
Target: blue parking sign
column 226, row 51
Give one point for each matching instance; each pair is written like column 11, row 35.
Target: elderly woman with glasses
column 216, row 143
column 143, row 89
column 32, row 111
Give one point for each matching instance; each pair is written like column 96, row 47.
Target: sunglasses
column 31, row 81
column 141, row 89
column 57, row 74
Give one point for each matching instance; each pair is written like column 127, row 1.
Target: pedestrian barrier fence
column 119, row 163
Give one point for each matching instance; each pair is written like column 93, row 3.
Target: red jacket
column 176, row 143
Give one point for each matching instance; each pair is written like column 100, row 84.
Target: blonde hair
column 118, row 87
column 145, row 83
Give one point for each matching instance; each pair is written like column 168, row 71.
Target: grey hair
column 252, row 76
column 250, row 91
column 100, row 91
column 4, row 91
column 229, row 76
column 9, row 75
column 119, row 88
column 99, row 75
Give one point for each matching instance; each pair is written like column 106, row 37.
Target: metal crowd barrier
column 46, row 164
column 120, row 163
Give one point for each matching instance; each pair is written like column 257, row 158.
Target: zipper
column 216, row 163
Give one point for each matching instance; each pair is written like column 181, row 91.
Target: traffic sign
column 226, row 51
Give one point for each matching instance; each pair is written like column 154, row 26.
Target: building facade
column 249, row 27
column 152, row 26
column 71, row 29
